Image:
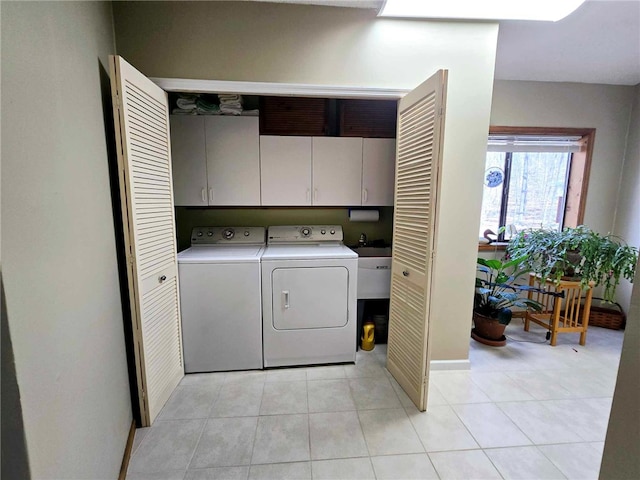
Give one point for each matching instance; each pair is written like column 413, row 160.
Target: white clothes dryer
column 309, row 306
column 220, row 299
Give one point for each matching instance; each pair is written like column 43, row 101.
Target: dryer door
column 313, row 297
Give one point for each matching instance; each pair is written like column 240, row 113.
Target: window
column 535, row 178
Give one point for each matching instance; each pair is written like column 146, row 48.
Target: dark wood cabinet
column 304, row 116
column 294, row 116
column 367, row 118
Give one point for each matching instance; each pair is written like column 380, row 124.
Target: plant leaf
column 504, row 316
column 515, row 262
column 494, row 264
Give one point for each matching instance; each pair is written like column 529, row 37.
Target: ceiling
column 598, row 43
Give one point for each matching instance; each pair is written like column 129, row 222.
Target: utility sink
column 372, row 251
column 374, row 272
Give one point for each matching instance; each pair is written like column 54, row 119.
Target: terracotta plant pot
column 488, row 330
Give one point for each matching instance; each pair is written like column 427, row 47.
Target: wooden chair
column 561, row 314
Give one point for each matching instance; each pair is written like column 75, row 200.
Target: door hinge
column 131, row 258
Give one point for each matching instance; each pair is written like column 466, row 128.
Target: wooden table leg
column 585, row 316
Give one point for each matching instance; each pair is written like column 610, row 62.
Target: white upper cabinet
column 222, row 160
column 188, row 160
column 337, row 171
column 378, row 171
column 233, row 160
column 285, row 170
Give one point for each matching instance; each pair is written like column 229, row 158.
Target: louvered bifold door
column 418, row 157
column 144, row 161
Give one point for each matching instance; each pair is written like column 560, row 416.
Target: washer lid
column 308, row 252
column 221, row 254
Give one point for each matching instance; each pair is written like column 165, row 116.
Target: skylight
column 541, row 10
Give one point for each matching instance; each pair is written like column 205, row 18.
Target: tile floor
column 523, row 411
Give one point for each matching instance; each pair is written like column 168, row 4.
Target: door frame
column 277, row 89
column 281, row 89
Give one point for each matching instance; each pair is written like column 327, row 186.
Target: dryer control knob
column 228, row 233
column 332, row 232
column 305, row 231
column 323, row 231
column 246, row 233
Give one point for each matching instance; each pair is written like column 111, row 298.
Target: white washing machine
column 309, row 309
column 220, row 299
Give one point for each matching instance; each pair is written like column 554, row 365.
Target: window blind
column 534, row 143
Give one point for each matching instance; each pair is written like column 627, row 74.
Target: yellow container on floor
column 367, row 341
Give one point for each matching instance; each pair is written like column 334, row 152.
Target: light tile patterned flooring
column 523, row 411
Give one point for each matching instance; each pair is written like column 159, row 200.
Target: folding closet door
column 418, row 159
column 144, row 161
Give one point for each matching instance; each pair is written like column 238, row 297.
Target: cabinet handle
column 162, row 278
column 210, row 196
column 204, row 195
column 315, row 194
column 365, row 195
column 285, row 297
column 308, row 195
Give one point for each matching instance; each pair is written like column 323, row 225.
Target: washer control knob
column 305, row 231
column 323, row 231
column 199, row 234
column 209, row 233
column 247, row 233
column 332, row 232
column 228, row 233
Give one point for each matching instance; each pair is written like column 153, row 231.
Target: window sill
column 493, row 247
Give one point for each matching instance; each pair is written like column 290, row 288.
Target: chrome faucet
column 363, row 240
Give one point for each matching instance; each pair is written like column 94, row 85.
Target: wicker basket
column 613, row 318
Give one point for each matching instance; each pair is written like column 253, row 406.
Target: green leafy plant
column 496, row 290
column 576, row 253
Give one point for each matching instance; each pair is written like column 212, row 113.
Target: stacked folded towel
column 207, row 107
column 186, row 105
column 230, row 104
column 202, row 104
column 195, row 104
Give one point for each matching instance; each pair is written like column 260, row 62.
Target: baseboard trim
column 450, row 364
column 127, row 452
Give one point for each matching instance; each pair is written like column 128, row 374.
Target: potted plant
column 576, row 253
column 496, row 294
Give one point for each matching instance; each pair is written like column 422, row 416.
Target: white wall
column 621, row 456
column 350, row 47
column 58, row 242
column 606, row 108
column 603, row 107
column 627, row 218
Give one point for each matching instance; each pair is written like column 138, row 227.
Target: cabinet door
column 378, row 171
column 285, row 170
column 337, row 171
column 233, row 160
column 189, row 160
